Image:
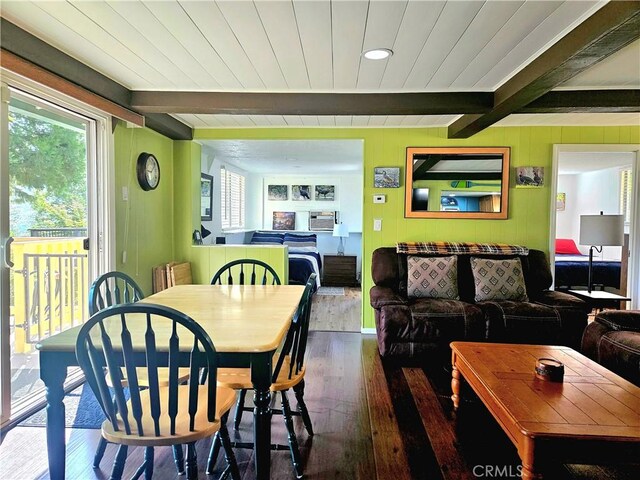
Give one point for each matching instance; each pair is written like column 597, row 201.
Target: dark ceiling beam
column 30, row 48
column 168, row 126
column 585, row 101
column 232, row 103
column 608, row 30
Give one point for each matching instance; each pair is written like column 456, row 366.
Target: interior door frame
column 633, row 278
column 100, row 192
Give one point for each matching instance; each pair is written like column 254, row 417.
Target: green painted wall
column 528, row 222
column 144, row 224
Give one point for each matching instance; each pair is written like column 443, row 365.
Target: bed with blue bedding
column 304, row 258
column 572, row 268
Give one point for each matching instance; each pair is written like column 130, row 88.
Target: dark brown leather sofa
column 412, row 327
column 613, row 340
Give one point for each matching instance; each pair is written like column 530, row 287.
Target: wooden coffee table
column 592, row 417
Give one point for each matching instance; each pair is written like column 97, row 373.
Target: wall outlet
column 379, row 198
column 377, row 224
column 125, row 194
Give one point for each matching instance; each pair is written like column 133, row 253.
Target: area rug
column 335, row 291
column 82, row 410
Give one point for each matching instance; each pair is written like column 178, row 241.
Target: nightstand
column 339, row 271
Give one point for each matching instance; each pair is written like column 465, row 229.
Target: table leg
column 261, row 379
column 53, row 373
column 455, row 385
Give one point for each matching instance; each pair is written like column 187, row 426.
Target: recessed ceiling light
column 378, row 53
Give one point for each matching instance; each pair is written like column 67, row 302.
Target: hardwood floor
column 372, row 419
column 337, row 313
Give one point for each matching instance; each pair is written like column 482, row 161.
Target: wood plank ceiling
column 316, row 46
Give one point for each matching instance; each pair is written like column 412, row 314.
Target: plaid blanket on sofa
column 416, row 248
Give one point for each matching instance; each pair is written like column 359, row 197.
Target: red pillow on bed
column 567, row 246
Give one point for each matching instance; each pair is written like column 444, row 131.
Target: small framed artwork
column 206, row 197
column 386, row 177
column 325, row 192
column 284, row 220
column 561, row 199
column 300, row 192
column 530, row 177
column 277, row 192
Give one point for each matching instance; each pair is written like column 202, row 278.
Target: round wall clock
column 148, row 170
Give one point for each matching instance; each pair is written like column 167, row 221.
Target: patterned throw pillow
column 433, row 277
column 498, row 279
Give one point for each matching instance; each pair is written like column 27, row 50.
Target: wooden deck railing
column 50, row 280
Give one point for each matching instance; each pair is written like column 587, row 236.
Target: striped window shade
column 232, row 199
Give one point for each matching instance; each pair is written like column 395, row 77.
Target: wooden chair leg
column 228, row 451
column 192, row 461
column 178, row 458
column 148, row 460
column 118, row 464
column 293, row 441
column 213, row 453
column 239, row 409
column 102, row 446
column 306, row 419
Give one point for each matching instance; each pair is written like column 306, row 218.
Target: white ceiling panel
column 487, row 23
column 176, row 20
column 208, row 19
column 569, row 119
column 317, row 45
column 348, row 20
column 314, row 26
column 32, row 18
column 383, row 24
column 450, row 27
column 245, row 22
column 279, row 22
column 418, row 21
column 163, row 38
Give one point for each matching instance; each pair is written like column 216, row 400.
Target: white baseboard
column 368, row 330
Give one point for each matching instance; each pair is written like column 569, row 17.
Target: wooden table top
column 591, row 401
column 237, row 318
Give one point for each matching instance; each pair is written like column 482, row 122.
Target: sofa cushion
column 498, row 279
column 619, row 351
column 620, row 319
column 521, row 322
column 447, row 320
column 432, row 277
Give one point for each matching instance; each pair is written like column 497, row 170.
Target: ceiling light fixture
column 378, row 53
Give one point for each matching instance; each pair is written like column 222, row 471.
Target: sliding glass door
column 47, row 264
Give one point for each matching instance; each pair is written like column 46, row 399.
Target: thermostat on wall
column 379, row 198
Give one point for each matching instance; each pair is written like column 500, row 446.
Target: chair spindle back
column 259, row 272
column 113, row 288
column 105, row 341
column 295, row 343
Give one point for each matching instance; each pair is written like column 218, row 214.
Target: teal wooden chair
column 236, row 272
column 155, row 415
column 288, row 372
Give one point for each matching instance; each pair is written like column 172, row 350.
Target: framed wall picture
column 561, row 200
column 206, row 197
column 325, row 192
column 277, row 192
column 530, row 177
column 386, row 177
column 284, row 220
column 300, row 192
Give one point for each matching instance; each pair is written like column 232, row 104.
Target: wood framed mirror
column 457, row 182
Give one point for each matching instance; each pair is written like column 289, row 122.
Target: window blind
column 232, row 199
column 625, row 194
